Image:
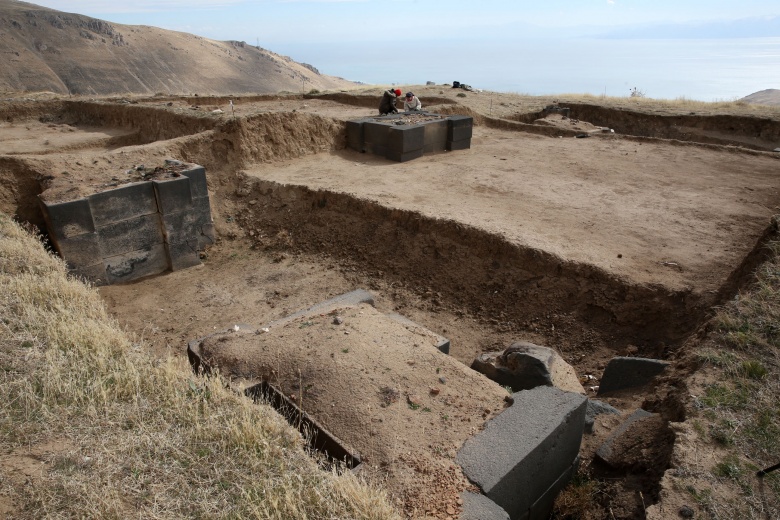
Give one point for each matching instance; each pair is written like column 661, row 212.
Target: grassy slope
column 119, row 435
column 737, row 411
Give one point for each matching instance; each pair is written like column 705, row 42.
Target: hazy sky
column 271, row 23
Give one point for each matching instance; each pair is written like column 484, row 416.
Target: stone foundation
column 136, row 230
column 408, row 135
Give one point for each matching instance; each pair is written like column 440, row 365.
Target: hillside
column 46, row 50
column 770, row 96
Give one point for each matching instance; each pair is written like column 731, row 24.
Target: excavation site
column 470, row 321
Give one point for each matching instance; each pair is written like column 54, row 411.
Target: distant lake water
column 704, row 70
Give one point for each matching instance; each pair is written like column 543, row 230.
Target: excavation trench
column 726, row 130
column 502, row 282
column 467, row 281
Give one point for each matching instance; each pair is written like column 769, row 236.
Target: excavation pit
column 595, row 247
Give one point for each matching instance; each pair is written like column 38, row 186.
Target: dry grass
column 738, row 411
column 118, row 435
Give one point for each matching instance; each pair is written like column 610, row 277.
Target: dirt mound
column 380, row 386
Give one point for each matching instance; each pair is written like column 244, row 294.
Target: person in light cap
column 387, row 105
column 411, row 102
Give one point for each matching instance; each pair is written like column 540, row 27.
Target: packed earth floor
column 596, row 247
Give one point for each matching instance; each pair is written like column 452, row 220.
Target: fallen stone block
column 526, row 449
column 439, row 341
column 642, row 445
column 629, row 372
column 523, row 366
column 595, row 408
column 541, row 509
column 480, row 507
column 607, row 450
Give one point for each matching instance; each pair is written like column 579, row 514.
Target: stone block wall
column 406, row 136
column 135, row 230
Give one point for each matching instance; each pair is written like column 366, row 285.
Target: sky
column 276, row 23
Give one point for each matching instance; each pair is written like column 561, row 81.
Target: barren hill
column 770, row 96
column 46, row 50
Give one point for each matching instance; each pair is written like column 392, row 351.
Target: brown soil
column 600, row 246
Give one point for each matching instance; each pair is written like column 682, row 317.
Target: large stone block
column 524, row 365
column 136, row 264
column 480, row 507
column 405, row 156
column 629, row 372
column 355, row 135
column 438, row 341
column 607, row 452
column 375, row 137
column 435, row 136
column 127, row 202
column 523, row 451
column 183, row 254
column 199, row 187
column 180, row 226
column 68, row 219
column 403, row 139
column 541, row 509
column 173, row 195
column 80, row 251
column 460, row 133
column 459, row 145
column 130, row 235
column 458, row 121
column 95, row 274
column 596, row 408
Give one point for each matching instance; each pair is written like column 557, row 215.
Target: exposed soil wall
column 152, row 123
column 20, row 184
column 749, row 132
column 500, row 281
column 277, row 136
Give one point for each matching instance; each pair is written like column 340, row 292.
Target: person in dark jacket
column 387, row 105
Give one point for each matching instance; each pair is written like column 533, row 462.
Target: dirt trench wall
column 497, row 280
column 750, row 132
column 151, row 123
column 20, row 184
column 16, row 111
column 277, row 136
